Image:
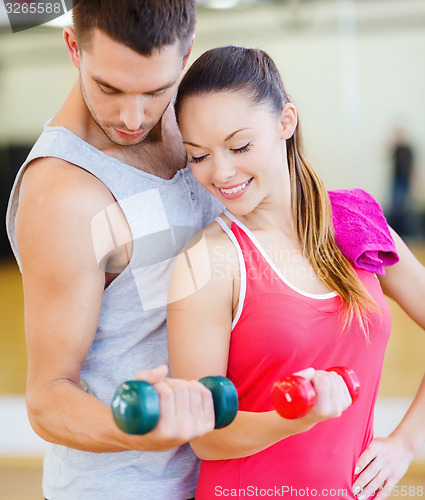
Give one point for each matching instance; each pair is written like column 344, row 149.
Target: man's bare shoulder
column 59, row 210
column 56, row 182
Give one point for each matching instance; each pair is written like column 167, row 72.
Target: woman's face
column 237, row 148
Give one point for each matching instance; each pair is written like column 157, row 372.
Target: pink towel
column 361, row 230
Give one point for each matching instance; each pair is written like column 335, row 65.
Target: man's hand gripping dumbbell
column 136, row 404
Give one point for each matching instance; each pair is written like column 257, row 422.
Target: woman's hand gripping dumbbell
column 136, row 407
column 294, row 396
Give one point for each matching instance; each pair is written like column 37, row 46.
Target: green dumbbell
column 135, row 404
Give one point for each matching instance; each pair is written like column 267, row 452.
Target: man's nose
column 132, row 113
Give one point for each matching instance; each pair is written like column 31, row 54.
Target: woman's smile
column 235, row 191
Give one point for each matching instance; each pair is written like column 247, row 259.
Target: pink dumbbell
column 294, row 396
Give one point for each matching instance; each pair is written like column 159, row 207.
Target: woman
column 266, row 292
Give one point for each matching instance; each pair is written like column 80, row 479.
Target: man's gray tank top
column 163, row 215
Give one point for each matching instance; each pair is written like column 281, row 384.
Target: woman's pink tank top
column 278, row 330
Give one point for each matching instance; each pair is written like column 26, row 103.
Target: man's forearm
column 68, row 416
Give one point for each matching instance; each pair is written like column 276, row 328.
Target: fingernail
column 356, row 490
column 357, row 470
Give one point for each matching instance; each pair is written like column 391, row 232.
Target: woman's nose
column 224, row 170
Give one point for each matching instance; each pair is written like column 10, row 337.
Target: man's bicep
column 63, row 285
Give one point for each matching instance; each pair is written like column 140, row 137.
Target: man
column 98, row 211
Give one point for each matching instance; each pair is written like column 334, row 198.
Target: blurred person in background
column 402, row 163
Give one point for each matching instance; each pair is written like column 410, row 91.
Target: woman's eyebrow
column 225, row 140
column 235, row 132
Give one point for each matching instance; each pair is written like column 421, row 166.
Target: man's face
column 125, row 92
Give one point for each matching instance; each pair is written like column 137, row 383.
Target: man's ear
column 72, row 46
column 288, row 120
column 188, row 51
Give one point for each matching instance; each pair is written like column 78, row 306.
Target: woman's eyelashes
column 199, row 159
column 243, row 149
column 196, row 159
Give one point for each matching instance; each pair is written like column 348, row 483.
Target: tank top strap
column 261, row 271
column 251, row 248
column 242, row 267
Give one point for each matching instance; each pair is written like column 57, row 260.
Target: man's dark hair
column 142, row 25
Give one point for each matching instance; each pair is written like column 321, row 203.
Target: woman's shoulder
column 355, row 210
column 355, row 198
column 361, row 230
column 207, row 261
column 212, row 243
column 217, row 232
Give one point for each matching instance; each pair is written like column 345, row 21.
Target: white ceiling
column 414, row 9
